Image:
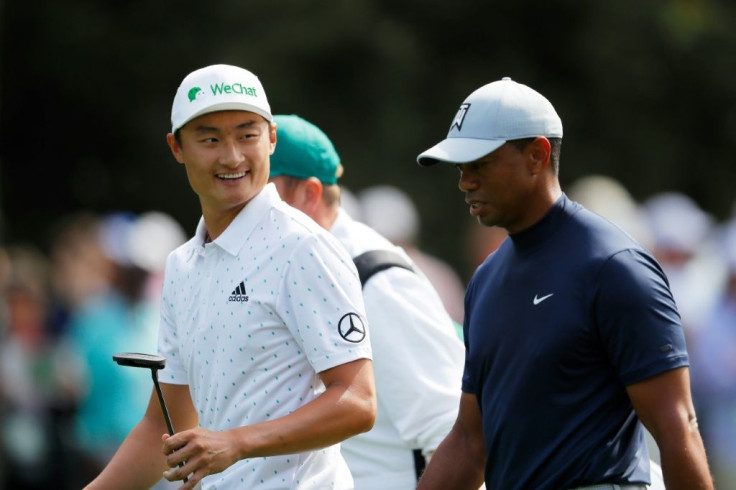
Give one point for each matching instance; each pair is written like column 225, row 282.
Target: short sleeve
column 322, row 303
column 637, row 318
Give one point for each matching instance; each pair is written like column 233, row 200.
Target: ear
column 312, row 194
column 538, row 152
column 175, row 147
column 272, row 138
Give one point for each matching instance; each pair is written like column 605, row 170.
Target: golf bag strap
column 374, row 261
column 368, row 264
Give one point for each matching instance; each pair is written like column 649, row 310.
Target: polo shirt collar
column 235, row 235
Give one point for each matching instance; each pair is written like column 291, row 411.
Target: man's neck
column 217, row 221
column 326, row 216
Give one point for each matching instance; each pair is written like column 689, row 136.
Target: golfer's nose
column 467, row 180
column 231, row 154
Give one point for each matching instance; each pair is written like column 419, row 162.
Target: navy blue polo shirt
column 558, row 321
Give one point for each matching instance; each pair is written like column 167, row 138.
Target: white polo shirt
column 418, row 364
column 248, row 321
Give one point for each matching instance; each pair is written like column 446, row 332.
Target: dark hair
column 554, row 154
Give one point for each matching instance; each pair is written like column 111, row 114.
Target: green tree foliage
column 646, row 91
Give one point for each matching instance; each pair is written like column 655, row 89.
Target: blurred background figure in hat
column 392, row 213
column 109, row 270
column 713, row 349
column 682, row 241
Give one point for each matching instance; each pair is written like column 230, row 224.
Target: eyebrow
column 214, row 129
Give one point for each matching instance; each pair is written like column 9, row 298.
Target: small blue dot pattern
column 248, row 321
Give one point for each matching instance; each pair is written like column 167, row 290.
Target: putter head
column 137, row 359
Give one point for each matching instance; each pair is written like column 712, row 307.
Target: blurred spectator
column 79, row 267
column 392, row 213
column 681, row 243
column 713, row 362
column 38, row 377
column 350, row 203
column 107, row 270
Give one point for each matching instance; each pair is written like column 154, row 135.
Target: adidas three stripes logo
column 238, row 295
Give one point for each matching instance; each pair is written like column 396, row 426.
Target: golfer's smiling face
column 226, row 155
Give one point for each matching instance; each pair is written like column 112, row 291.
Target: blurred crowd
column 65, row 406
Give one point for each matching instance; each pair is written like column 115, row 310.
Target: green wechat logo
column 193, row 93
column 234, row 88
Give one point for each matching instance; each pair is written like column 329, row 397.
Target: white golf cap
column 492, row 115
column 218, row 88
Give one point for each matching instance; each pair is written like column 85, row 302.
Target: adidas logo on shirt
column 238, row 295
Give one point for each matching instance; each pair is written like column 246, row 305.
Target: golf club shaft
column 154, row 375
column 162, row 402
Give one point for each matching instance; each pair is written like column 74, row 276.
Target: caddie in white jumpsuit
column 418, row 357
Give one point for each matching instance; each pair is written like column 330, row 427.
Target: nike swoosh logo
column 539, row 300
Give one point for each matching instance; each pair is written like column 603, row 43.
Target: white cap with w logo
column 218, row 88
column 492, row 115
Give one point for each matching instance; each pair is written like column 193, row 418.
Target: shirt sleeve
column 419, row 358
column 321, row 302
column 637, row 317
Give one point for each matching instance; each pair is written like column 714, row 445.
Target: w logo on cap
column 460, row 117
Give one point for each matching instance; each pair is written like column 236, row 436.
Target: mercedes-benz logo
column 351, row 328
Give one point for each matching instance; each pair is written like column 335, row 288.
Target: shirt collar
column 232, row 239
column 548, row 225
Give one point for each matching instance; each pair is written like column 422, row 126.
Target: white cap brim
column 458, row 150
